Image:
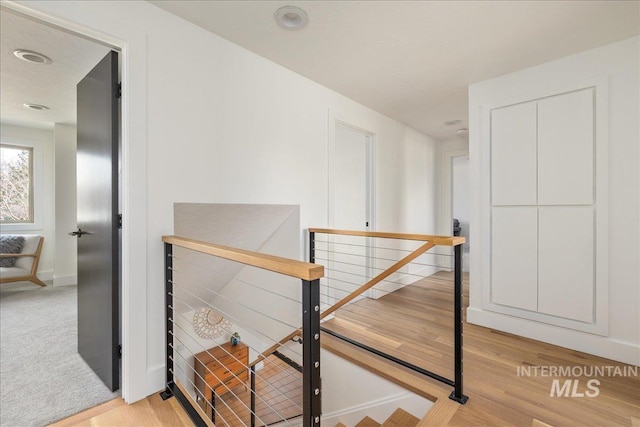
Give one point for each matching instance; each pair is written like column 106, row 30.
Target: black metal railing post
column 171, row 389
column 213, row 406
column 457, row 393
column 312, row 247
column 168, row 315
column 253, row 395
column 311, row 353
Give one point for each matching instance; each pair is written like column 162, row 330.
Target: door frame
column 81, row 19
column 336, row 120
column 446, row 193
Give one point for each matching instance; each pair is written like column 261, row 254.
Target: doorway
column 455, row 200
column 72, row 381
column 351, row 195
column 140, row 376
column 351, row 207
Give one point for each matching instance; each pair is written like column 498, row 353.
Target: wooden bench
column 26, row 267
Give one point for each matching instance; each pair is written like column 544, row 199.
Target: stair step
column 368, row 422
column 340, row 425
column 401, row 418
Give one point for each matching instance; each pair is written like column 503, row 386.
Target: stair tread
column 368, row 422
column 401, row 418
column 340, row 425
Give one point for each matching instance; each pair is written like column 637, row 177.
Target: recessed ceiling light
column 463, row 132
column 291, row 18
column 31, row 56
column 36, row 107
column 452, row 122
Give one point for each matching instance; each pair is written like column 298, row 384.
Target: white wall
column 207, row 121
column 415, row 187
column 249, row 131
column 66, row 247
column 619, row 62
column 44, row 139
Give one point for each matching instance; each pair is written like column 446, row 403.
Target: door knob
column 78, row 233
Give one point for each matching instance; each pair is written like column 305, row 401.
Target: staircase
column 399, row 418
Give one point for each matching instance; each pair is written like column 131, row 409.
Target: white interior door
column 351, row 178
column 351, row 209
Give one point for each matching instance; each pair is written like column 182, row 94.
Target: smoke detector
column 31, row 56
column 36, row 107
column 291, row 18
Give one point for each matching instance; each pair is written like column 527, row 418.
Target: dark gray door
column 98, row 221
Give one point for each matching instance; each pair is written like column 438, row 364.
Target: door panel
column 514, row 257
column 567, row 259
column 349, row 264
column 98, row 234
column 565, row 149
column 351, row 178
column 513, row 155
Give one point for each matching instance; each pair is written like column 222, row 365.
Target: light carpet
column 42, row 377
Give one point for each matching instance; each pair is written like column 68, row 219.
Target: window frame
column 36, row 185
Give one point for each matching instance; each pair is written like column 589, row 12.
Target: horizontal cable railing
column 362, row 267
column 227, row 310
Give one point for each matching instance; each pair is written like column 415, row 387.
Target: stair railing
column 347, row 261
column 200, row 381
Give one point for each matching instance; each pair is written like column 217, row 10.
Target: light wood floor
column 415, row 323
column 150, row 412
column 497, row 395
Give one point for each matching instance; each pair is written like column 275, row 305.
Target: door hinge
column 367, row 224
column 119, row 220
column 119, row 91
column 119, row 351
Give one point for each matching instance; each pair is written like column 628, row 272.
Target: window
column 16, row 184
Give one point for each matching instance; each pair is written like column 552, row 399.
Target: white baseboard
column 71, row 279
column 46, row 275
column 380, row 409
column 402, row 280
column 596, row 345
column 365, row 406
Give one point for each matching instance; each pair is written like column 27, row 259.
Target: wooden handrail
column 436, row 240
column 289, row 267
column 379, row 278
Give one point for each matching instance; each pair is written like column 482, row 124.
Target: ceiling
column 413, row 60
column 410, row 60
column 54, row 84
